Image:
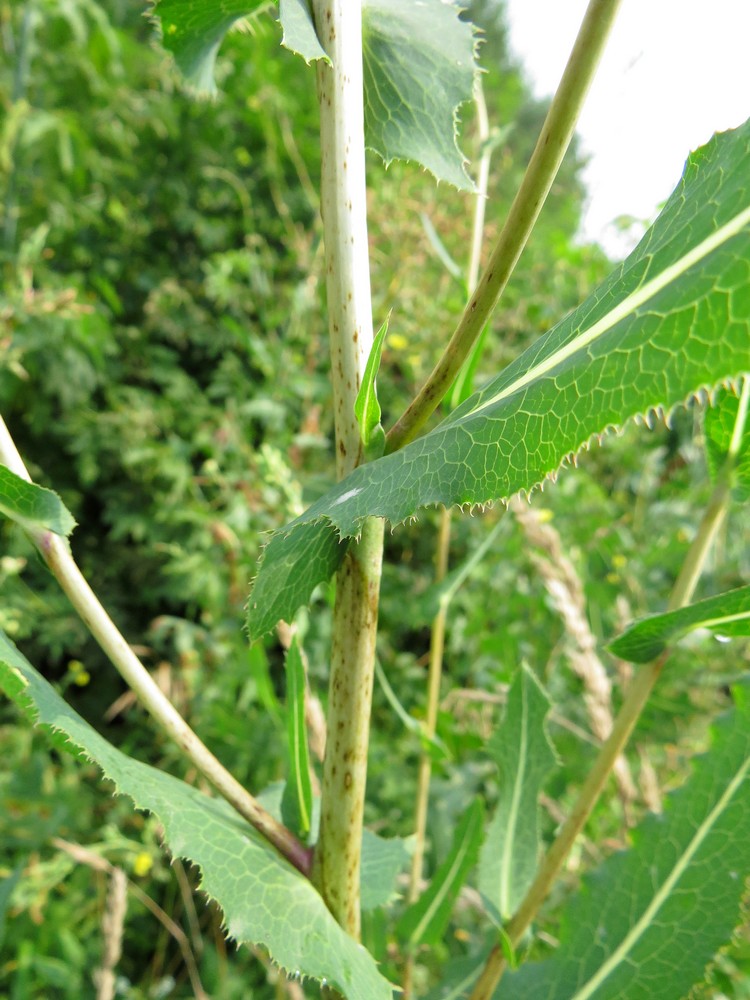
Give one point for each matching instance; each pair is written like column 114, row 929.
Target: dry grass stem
column 566, row 591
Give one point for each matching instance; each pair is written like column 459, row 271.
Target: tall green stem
column 635, row 701
column 343, row 207
column 545, row 161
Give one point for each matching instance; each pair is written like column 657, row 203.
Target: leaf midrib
column 646, row 920
column 622, row 310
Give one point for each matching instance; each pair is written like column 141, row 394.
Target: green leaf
column 383, row 860
column 726, row 428
column 726, row 615
column 298, row 797
column 288, row 574
column 264, row 899
column 366, row 405
column 193, row 30
column 426, row 920
column 648, row 922
column 33, row 507
column 299, row 30
column 524, row 756
column 419, row 67
column 430, row 744
column 671, row 321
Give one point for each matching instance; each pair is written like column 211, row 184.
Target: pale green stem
column 343, row 201
column 627, row 718
column 56, row 553
column 545, row 161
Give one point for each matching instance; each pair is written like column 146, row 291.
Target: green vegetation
column 164, row 369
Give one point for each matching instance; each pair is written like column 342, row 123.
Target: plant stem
column 627, row 718
column 344, row 210
column 715, row 512
column 548, row 154
column 56, row 553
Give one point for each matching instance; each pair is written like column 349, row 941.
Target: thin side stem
column 715, row 512
column 336, row 869
column 627, row 718
column 55, row 552
column 545, row 161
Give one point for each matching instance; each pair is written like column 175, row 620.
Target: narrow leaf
column 193, row 30
column 671, row 321
column 426, row 920
column 265, row 901
column 524, row 756
column 297, row 802
column 299, row 30
column 366, row 405
column 419, row 67
column 33, row 507
column 725, row 615
column 727, row 429
column 648, row 922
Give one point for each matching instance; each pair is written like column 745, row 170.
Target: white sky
column 674, row 72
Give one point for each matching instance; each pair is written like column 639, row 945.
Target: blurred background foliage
column 163, row 367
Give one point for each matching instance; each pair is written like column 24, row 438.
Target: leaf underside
column 193, row 30
column 650, row 920
column 265, row 901
column 419, row 66
column 726, row 615
column 672, row 321
column 33, row 507
column 418, row 60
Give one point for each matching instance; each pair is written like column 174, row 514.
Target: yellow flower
column 619, row 561
column 143, row 863
column 78, row 673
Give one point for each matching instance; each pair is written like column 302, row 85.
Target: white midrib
column 447, row 882
column 624, row 308
column 724, row 620
column 505, row 865
column 665, row 890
